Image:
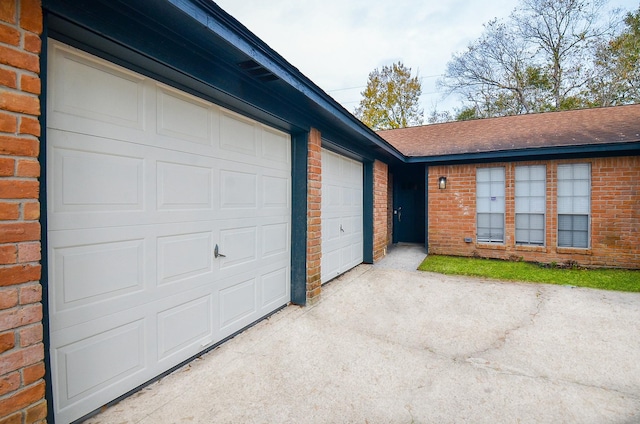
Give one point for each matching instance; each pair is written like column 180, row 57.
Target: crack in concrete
column 501, row 341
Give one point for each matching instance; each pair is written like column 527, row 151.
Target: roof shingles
column 619, row 124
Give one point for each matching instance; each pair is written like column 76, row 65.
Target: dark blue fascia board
column 540, row 153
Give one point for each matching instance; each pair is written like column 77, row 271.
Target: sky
column 337, row 43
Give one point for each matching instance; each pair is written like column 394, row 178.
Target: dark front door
column 409, row 205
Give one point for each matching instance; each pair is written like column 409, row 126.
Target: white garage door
column 145, row 185
column 342, row 243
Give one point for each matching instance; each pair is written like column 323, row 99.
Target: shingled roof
column 584, row 127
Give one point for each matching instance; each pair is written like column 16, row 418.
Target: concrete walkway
column 388, row 345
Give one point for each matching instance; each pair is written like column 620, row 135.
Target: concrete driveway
column 387, row 345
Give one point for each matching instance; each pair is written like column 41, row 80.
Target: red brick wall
column 615, row 215
column 314, row 220
column 380, row 210
column 22, row 386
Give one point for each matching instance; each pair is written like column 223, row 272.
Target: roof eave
column 538, row 153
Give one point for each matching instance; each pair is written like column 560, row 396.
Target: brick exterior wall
column 22, row 387
column 381, row 233
column 615, row 215
column 314, row 219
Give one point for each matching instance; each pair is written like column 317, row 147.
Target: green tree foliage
column 391, row 99
column 617, row 77
column 540, row 59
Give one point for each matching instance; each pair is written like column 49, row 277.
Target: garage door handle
column 217, row 254
column 341, row 229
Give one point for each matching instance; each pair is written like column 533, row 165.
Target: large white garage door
column 342, row 242
column 147, row 189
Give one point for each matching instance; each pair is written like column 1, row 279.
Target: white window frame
column 574, row 202
column 530, row 204
column 490, row 205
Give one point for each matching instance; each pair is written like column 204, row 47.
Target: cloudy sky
column 336, row 43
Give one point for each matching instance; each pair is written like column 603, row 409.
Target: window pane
column 565, row 188
column 565, row 205
column 482, row 175
column 581, row 171
column 483, row 190
column 564, row 238
column 522, row 236
column 497, row 174
column 581, row 188
column 536, row 221
column 564, row 222
column 537, row 237
column 522, row 221
column 537, row 188
column 497, row 220
column 497, row 204
column 490, row 227
column 580, row 239
column 522, row 205
column 538, row 173
column 581, row 205
column 565, row 172
column 483, row 205
column 537, row 205
column 522, row 188
column 573, row 231
column 580, row 222
column 497, row 188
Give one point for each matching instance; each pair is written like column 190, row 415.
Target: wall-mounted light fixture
column 442, row 183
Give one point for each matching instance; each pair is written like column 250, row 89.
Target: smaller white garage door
column 342, row 236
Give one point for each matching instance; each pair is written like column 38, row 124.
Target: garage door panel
column 183, row 186
column 331, row 230
column 274, row 288
column 183, row 117
column 239, row 246
column 330, row 264
column 238, row 190
column 275, row 192
column 275, row 239
column 97, row 272
column 237, row 305
column 97, row 181
column 90, row 88
column 238, row 135
column 136, row 206
column 174, row 336
column 90, row 363
column 275, row 147
column 184, row 256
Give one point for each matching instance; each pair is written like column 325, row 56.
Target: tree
column 391, row 99
column 617, row 77
column 436, row 116
column 495, row 74
column 539, row 59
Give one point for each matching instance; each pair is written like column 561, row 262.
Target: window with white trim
column 490, row 204
column 530, row 204
column 574, row 204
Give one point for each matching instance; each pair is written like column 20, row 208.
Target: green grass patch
column 606, row 279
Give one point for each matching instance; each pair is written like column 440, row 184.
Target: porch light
column 442, row 183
